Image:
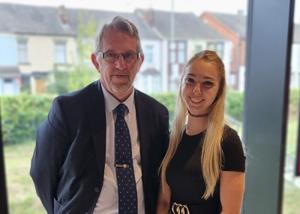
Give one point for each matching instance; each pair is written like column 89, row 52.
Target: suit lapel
column 143, row 130
column 97, row 121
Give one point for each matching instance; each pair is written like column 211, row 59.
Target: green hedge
column 168, row 99
column 294, row 101
column 20, row 116
column 234, row 104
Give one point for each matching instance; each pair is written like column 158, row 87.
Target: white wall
column 145, row 83
column 41, row 52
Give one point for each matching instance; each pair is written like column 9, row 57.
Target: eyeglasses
column 128, row 57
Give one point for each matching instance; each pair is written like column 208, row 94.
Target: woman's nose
column 197, row 89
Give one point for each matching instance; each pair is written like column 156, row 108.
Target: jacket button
column 96, row 189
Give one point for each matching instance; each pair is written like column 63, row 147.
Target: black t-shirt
column 184, row 174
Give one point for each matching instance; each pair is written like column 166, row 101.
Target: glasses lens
column 110, row 56
column 128, row 57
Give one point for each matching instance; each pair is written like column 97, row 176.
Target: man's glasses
column 128, row 57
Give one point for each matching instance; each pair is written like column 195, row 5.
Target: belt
column 177, row 208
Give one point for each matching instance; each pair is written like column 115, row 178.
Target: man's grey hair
column 119, row 24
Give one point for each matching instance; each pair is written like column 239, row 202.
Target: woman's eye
column 189, row 80
column 208, row 84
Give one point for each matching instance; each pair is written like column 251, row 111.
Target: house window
column 218, row 47
column 60, row 53
column 148, row 53
column 175, row 71
column 181, row 52
column 8, row 86
column 172, row 56
column 177, row 52
column 198, row 48
column 22, row 51
column 8, row 81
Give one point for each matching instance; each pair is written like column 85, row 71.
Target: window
column 181, row 52
column 60, row 53
column 148, row 52
column 177, row 52
column 216, row 46
column 22, row 51
column 198, row 48
column 8, row 81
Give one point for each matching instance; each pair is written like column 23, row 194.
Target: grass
column 291, row 194
column 22, row 197
column 291, row 199
column 292, row 136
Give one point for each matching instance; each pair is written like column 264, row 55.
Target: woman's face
column 200, row 86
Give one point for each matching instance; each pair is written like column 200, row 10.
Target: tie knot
column 121, row 109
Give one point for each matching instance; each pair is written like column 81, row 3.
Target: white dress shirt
column 108, row 200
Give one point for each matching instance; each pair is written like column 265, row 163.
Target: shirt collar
column 111, row 102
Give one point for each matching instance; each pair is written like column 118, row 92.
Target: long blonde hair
column 211, row 155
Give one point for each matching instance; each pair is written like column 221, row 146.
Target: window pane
column 148, row 52
column 22, row 51
column 60, row 53
column 54, row 59
column 292, row 182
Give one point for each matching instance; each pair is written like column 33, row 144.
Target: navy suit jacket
column 68, row 162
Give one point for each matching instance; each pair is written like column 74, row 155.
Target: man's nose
column 120, row 62
column 197, row 89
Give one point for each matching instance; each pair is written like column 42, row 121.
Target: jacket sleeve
column 51, row 147
column 165, row 130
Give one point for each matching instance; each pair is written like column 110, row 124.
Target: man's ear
column 142, row 58
column 94, row 61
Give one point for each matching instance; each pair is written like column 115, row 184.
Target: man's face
column 120, row 63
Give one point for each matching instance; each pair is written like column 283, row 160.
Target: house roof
column 186, row 25
column 235, row 22
column 101, row 17
column 60, row 21
column 24, row 19
column 9, row 71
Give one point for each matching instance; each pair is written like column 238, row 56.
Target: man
column 76, row 166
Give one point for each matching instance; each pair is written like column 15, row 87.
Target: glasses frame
column 118, row 55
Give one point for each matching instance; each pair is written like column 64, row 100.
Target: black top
column 184, row 174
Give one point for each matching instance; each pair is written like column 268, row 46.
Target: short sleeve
column 233, row 153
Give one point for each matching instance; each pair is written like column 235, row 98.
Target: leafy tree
column 81, row 74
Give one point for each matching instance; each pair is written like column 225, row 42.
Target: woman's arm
column 232, row 187
column 163, row 203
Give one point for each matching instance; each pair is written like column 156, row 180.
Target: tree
column 82, row 73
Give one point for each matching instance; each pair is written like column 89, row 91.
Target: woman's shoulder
column 229, row 134
column 233, row 152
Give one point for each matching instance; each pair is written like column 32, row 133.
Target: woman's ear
column 94, row 61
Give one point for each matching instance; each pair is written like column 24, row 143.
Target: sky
column 196, row 6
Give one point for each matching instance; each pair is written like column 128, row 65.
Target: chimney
column 62, row 13
column 148, row 16
column 240, row 13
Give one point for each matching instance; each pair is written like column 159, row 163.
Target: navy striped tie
column 123, row 163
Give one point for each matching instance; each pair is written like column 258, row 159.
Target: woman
column 203, row 170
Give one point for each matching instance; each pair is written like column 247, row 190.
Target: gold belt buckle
column 179, row 208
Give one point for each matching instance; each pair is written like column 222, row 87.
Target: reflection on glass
column 49, row 54
column 291, row 193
